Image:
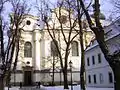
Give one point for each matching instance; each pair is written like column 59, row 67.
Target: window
column 0, row 56
column 28, row 22
column 75, row 48
column 54, row 51
column 89, row 79
column 99, row 58
column 88, row 61
column 0, row 59
column 28, row 49
column 94, row 77
column 93, row 60
column 101, row 78
column 110, row 77
column 63, row 19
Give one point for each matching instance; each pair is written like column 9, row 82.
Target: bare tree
column 53, row 63
column 116, row 8
column 61, row 27
column 14, row 35
column 82, row 68
column 114, row 58
column 2, row 55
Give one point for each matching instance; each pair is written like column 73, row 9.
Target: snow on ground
column 76, row 88
column 61, row 88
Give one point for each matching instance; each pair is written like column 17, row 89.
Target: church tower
column 29, row 60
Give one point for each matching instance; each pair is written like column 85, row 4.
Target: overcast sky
column 106, row 7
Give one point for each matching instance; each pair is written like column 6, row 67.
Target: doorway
column 27, row 78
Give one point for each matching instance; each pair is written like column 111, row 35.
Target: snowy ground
column 61, row 88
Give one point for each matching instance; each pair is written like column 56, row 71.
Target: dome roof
column 101, row 16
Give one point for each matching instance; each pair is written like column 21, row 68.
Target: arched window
column 28, row 49
column 54, row 51
column 75, row 48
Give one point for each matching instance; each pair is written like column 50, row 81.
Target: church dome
column 101, row 16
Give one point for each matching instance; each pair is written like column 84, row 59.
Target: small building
column 98, row 71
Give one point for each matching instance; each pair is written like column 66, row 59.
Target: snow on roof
column 112, row 29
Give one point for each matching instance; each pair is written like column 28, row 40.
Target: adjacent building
column 98, row 71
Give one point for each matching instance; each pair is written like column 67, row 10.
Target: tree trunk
column 53, row 83
column 82, row 68
column 117, row 78
column 65, row 68
column 82, row 81
column 116, row 71
column 1, row 84
column 65, row 79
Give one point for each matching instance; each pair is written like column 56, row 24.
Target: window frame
column 89, row 78
column 88, row 61
column 28, row 50
column 110, row 77
column 94, row 79
column 74, row 45
column 93, row 60
column 101, row 78
column 52, row 45
column 99, row 58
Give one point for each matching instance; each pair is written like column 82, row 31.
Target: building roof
column 110, row 32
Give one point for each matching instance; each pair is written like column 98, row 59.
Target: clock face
column 63, row 19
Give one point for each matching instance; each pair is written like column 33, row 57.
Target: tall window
column 28, row 49
column 110, row 77
column 101, row 78
column 99, row 58
column 94, row 77
column 93, row 60
column 75, row 48
column 89, row 79
column 54, row 51
column 0, row 55
column 88, row 61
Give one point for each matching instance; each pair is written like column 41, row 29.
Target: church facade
column 35, row 59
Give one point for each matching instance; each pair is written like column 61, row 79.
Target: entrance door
column 27, row 78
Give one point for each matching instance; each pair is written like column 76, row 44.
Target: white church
column 35, row 60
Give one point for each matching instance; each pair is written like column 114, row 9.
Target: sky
column 106, row 7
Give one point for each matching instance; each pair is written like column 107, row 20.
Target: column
column 37, row 49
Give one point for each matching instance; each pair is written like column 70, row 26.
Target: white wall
column 18, row 77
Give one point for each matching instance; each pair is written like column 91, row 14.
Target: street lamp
column 60, row 76
column 14, row 78
column 9, row 74
column 70, row 64
column 51, row 75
